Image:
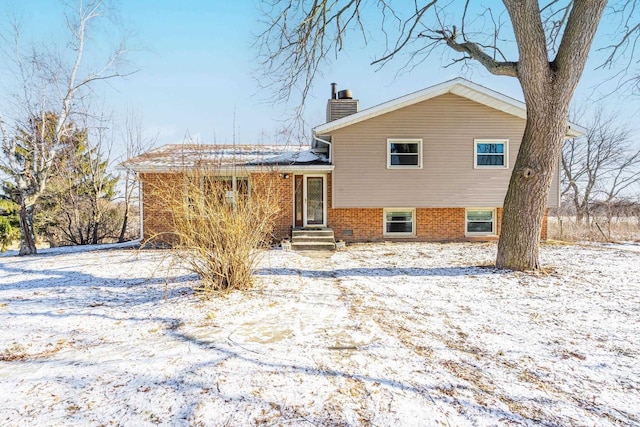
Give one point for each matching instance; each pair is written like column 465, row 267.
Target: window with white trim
column 491, row 153
column 399, row 222
column 480, row 222
column 404, row 153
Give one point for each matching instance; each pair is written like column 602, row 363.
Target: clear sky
column 197, row 66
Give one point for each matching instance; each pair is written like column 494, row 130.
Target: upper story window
column 404, row 153
column 491, row 153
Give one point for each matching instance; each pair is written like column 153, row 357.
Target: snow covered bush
column 220, row 225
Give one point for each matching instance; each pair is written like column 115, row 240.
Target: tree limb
column 474, row 51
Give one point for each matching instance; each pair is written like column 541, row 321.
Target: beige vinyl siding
column 448, row 125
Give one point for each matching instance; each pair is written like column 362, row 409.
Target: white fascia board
column 490, row 98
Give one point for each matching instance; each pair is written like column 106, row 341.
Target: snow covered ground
column 386, row 334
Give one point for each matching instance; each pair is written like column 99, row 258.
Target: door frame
column 304, row 200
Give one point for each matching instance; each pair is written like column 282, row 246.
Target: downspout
column 325, row 142
column 140, row 207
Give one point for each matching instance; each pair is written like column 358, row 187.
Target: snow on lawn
column 385, row 334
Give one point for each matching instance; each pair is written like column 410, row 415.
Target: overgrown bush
column 220, row 227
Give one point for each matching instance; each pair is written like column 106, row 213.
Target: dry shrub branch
column 221, row 224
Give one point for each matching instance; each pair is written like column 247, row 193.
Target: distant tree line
column 601, row 172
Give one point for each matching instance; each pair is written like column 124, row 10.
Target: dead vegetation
column 19, row 352
column 220, row 224
column 598, row 229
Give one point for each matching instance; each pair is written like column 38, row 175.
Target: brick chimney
column 341, row 104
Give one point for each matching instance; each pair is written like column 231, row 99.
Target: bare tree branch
column 408, row 30
column 474, row 51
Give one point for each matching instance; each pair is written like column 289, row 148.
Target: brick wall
column 350, row 225
column 432, row 224
column 364, row 224
column 282, row 188
column 545, row 220
column 157, row 217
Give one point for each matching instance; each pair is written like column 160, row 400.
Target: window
column 399, row 222
column 491, row 154
column 404, row 153
column 480, row 222
column 201, row 190
column 215, row 184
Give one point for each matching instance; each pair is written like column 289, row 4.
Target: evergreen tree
column 77, row 209
column 9, row 223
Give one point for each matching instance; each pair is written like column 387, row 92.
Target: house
column 433, row 165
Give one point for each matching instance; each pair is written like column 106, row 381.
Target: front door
column 309, row 200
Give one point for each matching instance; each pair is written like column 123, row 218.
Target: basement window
column 399, row 222
column 480, row 222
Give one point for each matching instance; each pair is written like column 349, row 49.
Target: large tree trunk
column 548, row 88
column 526, row 200
column 27, row 232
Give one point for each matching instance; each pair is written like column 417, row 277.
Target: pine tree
column 78, row 207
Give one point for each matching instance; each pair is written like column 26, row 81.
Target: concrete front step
column 313, row 246
column 319, row 239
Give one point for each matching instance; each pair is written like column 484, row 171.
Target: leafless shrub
column 220, row 224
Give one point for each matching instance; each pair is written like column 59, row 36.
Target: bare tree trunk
column 526, row 199
column 548, row 88
column 27, row 232
column 125, row 222
column 95, row 220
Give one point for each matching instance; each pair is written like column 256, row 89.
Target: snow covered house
column 433, row 165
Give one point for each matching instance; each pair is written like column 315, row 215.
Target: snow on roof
column 460, row 87
column 180, row 156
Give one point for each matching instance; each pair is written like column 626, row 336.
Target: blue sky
column 197, row 66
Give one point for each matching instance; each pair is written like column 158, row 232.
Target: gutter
column 240, row 170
